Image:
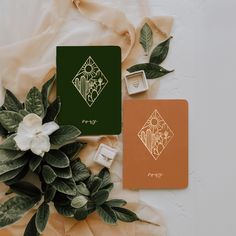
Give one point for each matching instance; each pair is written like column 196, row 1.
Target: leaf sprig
column 152, row 69
column 65, row 181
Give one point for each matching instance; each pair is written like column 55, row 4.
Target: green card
column 89, row 85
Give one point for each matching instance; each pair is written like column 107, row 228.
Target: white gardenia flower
column 33, row 135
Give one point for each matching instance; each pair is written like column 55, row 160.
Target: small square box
column 136, row 82
column 105, row 155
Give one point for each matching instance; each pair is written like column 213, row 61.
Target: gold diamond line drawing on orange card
column 155, row 134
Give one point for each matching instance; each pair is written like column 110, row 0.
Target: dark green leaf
column 100, row 197
column 151, row 70
column 91, row 207
column 23, row 113
column 46, row 90
column 49, row 193
column 27, row 189
column 14, row 208
column 160, row 52
column 146, row 37
column 22, row 173
column 53, row 110
column 79, row 201
column 42, row 216
column 11, row 103
column 104, row 174
column 64, row 135
column 48, row 174
column 72, row 149
column 30, row 229
column 116, row 203
column 108, row 187
column 82, row 189
column 12, row 165
column 125, row 214
column 9, row 143
column 65, row 173
column 35, row 161
column 34, row 103
column 95, row 184
column 107, row 214
column 57, row 158
column 66, row 186
column 67, row 211
column 10, row 120
column 11, row 174
column 79, row 171
column 3, row 132
column 81, row 213
column 9, row 155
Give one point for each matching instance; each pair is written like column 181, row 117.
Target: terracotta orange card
column 155, row 144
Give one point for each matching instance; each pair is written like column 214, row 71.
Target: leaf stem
column 148, row 222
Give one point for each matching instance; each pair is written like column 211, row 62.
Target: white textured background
column 203, row 53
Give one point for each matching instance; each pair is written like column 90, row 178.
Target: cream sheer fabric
column 28, row 59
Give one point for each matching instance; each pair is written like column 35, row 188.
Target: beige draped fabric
column 30, row 61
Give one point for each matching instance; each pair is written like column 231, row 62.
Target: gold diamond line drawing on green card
column 155, row 134
column 90, row 81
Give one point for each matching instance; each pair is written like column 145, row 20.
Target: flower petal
column 40, row 144
column 32, row 123
column 50, row 127
column 23, row 141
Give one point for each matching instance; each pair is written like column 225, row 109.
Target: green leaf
column 11, row 103
column 125, row 214
column 151, row 70
column 22, row 173
column 82, row 189
column 146, row 38
column 104, row 174
column 48, row 174
column 10, row 120
column 81, row 213
column 95, row 184
column 72, row 149
column 108, row 187
column 34, row 103
column 42, row 216
column 3, row 132
column 100, row 197
column 46, row 90
column 67, row 211
column 53, row 110
column 23, row 113
column 12, row 165
column 14, row 208
column 79, row 201
column 27, row 189
column 116, row 203
column 30, row 229
column 49, row 193
column 35, row 161
column 79, row 171
column 107, row 214
column 10, row 174
column 57, row 158
column 160, row 52
column 66, row 186
column 9, row 155
column 64, row 173
column 64, row 135
column 91, row 207
column 9, row 143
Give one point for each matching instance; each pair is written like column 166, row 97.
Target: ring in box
column 136, row 82
column 105, row 155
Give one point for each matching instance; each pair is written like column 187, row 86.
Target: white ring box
column 136, row 82
column 105, row 155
